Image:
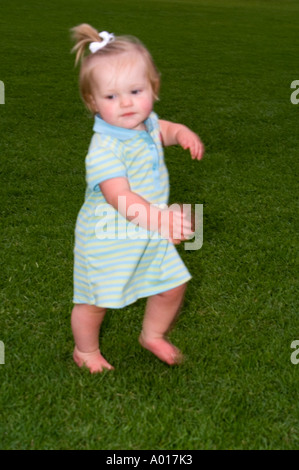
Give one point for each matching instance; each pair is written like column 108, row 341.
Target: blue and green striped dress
column 115, row 261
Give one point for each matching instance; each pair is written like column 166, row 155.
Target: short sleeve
column 103, row 161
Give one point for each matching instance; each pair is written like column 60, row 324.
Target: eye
column 136, row 92
column 110, row 97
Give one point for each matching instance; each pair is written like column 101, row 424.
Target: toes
column 164, row 350
column 94, row 361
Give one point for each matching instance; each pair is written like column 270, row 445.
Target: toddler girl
column 118, row 258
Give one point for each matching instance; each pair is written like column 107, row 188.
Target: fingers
column 190, row 140
column 182, row 225
column 196, row 148
column 176, row 225
column 198, row 152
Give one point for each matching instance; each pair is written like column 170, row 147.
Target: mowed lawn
column 227, row 68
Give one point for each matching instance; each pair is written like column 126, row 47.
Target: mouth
column 128, row 114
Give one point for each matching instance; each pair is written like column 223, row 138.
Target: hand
column 176, row 224
column 189, row 140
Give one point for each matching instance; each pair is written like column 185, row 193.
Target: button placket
column 155, row 156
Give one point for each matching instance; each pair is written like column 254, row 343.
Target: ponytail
column 83, row 35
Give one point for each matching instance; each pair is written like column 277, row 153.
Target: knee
column 83, row 309
column 175, row 293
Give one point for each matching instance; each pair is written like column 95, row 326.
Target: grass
column 226, row 72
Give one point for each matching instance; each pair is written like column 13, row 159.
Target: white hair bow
column 96, row 46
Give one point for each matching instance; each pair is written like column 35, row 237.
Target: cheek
column 148, row 104
column 106, row 110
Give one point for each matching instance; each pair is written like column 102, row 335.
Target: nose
column 125, row 101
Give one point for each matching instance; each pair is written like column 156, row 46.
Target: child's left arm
column 178, row 134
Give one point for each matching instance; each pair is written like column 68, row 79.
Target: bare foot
column 94, row 361
column 163, row 349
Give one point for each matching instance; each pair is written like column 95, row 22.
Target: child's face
column 121, row 91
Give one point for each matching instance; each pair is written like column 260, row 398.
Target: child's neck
column 141, row 127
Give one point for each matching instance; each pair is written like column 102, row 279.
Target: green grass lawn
column 226, row 72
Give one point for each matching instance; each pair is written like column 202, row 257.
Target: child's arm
column 178, row 134
column 174, row 226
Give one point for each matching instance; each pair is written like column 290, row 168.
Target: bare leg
column 86, row 322
column 161, row 312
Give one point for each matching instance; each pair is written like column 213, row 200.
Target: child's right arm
column 118, row 194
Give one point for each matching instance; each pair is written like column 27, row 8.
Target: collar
column 120, row 133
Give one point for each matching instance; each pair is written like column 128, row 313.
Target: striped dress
column 116, row 261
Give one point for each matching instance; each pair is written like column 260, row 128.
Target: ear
column 91, row 104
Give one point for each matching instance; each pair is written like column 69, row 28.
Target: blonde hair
column 84, row 34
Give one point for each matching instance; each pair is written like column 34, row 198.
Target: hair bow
column 97, row 45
